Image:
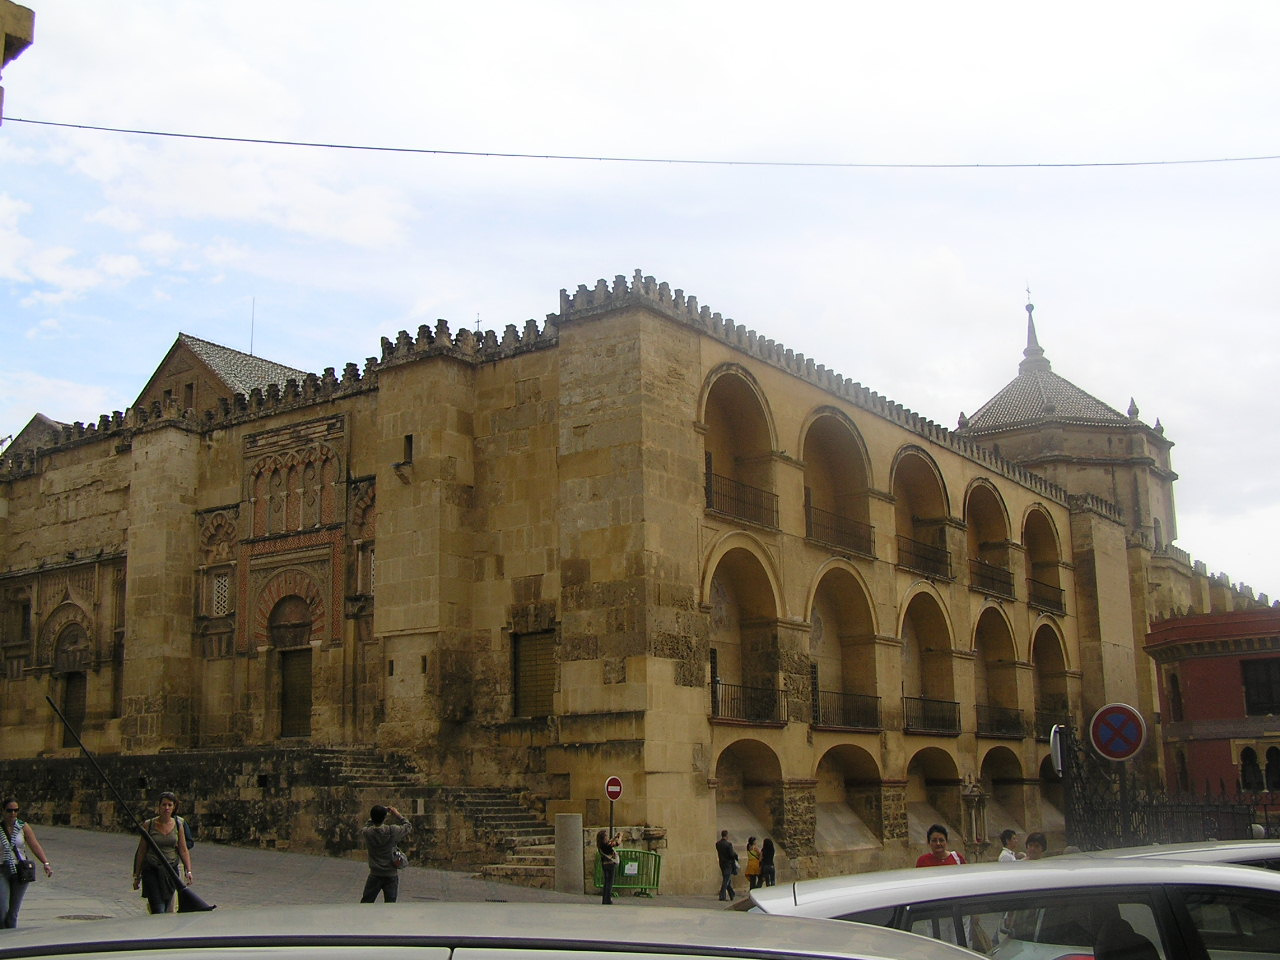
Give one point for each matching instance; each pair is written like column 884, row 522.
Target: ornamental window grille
column 221, row 605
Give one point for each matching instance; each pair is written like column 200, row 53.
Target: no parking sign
column 1117, row 731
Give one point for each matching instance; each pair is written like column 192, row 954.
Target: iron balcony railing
column 1046, row 720
column 1045, row 596
column 741, row 500
column 924, row 558
column 990, row 579
column 1001, row 722
column 922, row 715
column 853, row 711
column 839, row 531
column 733, row 701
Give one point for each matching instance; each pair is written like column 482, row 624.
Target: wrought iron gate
column 1111, row 804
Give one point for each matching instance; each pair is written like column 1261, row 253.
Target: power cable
column 670, row 160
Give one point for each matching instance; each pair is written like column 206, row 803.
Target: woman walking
column 754, row 879
column 18, row 838
column 768, row 870
column 158, row 872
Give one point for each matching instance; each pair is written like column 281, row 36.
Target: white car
column 468, row 931
column 1252, row 853
column 1063, row 908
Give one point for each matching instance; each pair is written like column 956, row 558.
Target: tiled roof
column 1038, row 394
column 240, row 371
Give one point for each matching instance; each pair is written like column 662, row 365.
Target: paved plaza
column 92, row 880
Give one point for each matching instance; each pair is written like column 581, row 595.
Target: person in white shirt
column 1009, row 852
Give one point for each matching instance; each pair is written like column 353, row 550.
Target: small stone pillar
column 569, row 878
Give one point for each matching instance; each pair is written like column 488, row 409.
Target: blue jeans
column 726, row 881
column 390, row 887
column 609, row 870
column 11, row 894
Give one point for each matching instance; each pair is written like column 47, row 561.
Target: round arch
column 1004, row 783
column 923, row 588
column 933, row 795
column 1047, row 625
column 928, row 668
column 1038, row 522
column 839, row 566
column 905, row 462
column 748, row 778
column 740, row 540
column 837, row 416
column 748, row 385
column 64, row 615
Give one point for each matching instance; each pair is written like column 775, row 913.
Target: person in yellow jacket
column 754, row 876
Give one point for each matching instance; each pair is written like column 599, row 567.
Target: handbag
column 398, row 859
column 24, row 871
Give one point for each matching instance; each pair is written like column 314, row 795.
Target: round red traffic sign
column 613, row 788
column 1117, row 731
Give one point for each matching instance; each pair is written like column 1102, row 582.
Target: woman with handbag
column 18, row 837
column 753, row 872
column 158, row 875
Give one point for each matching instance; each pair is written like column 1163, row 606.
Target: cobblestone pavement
column 93, row 877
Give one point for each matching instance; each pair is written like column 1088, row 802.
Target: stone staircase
column 501, row 816
column 367, row 767
column 497, row 817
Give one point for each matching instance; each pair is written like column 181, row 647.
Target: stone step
column 543, row 878
column 531, row 860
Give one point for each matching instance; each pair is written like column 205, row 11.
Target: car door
column 1229, row 923
column 1113, row 923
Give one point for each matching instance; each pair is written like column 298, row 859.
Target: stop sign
column 613, row 788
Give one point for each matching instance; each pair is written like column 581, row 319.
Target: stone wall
column 271, row 798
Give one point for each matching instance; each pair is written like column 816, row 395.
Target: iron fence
column 741, row 500
column 924, row 558
column 990, row 579
column 854, row 711
column 839, row 531
column 1110, row 804
column 922, row 715
column 1045, row 596
column 733, row 701
column 1046, row 720
column 1001, row 722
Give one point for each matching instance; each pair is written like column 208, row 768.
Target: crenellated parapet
column 471, row 347
column 660, row 298
column 468, row 346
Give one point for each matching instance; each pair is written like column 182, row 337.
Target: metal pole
column 1126, row 813
column 610, row 819
column 190, row 901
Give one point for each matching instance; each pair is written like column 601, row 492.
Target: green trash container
column 638, row 871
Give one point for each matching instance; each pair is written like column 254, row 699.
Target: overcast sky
column 1156, row 282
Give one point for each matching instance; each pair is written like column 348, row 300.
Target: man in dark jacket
column 381, row 839
column 728, row 860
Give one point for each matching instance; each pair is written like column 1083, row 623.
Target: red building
column 1220, row 699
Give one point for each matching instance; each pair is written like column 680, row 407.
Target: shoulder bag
column 24, row 870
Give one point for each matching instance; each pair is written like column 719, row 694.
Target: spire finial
column 1033, row 358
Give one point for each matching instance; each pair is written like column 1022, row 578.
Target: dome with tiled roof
column 1038, row 395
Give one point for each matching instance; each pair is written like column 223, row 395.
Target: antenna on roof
column 253, row 314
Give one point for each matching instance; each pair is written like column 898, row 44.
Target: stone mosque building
column 639, row 540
